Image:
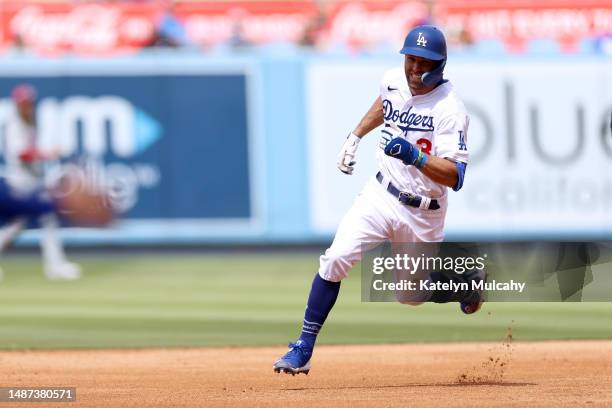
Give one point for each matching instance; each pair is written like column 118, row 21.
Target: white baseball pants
column 376, row 216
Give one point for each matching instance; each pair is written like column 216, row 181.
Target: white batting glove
column 385, row 137
column 346, row 162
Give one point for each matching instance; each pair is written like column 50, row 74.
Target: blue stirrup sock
column 323, row 295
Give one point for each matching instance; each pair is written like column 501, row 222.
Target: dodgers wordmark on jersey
column 437, row 122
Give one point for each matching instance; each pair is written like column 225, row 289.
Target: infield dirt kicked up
column 505, row 374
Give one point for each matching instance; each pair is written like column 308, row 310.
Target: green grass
column 244, row 299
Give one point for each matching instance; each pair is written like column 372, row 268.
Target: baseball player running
column 23, row 181
column 72, row 199
column 422, row 152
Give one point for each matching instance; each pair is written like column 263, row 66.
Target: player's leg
column 421, row 238
column 365, row 222
column 23, row 204
column 470, row 300
column 56, row 265
column 78, row 204
column 18, row 207
column 9, row 232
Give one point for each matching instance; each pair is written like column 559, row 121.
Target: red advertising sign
column 250, row 22
column 516, row 22
column 109, row 29
column 359, row 24
column 89, row 29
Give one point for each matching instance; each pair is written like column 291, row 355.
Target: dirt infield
column 546, row 374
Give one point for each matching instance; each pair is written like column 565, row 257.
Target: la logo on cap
column 421, row 40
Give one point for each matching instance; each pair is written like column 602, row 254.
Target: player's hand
column 405, row 151
column 385, row 138
column 346, row 157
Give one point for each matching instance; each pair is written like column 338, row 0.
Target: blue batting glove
column 406, row 152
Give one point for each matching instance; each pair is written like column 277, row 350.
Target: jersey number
column 425, row 145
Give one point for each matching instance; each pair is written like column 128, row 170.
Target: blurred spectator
column 430, row 18
column 314, row 29
column 170, row 31
column 460, row 39
column 604, row 44
column 465, row 38
column 18, row 47
column 24, row 178
column 237, row 40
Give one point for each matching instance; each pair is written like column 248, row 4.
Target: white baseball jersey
column 436, row 122
column 19, row 137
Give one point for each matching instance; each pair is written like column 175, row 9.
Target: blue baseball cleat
column 469, row 308
column 476, row 299
column 296, row 361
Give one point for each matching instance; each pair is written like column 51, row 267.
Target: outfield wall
column 242, row 149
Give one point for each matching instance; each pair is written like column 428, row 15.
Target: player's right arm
column 373, row 118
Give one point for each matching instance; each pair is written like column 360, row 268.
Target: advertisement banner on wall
column 539, row 140
column 565, row 24
column 153, row 139
column 112, row 29
column 54, row 28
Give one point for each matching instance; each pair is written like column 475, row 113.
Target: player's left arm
column 441, row 171
column 449, row 165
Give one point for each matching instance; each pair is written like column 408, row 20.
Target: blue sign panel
column 170, row 146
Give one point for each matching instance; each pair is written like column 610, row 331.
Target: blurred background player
column 72, row 199
column 24, row 178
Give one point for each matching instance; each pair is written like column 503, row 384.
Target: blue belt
column 406, row 198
